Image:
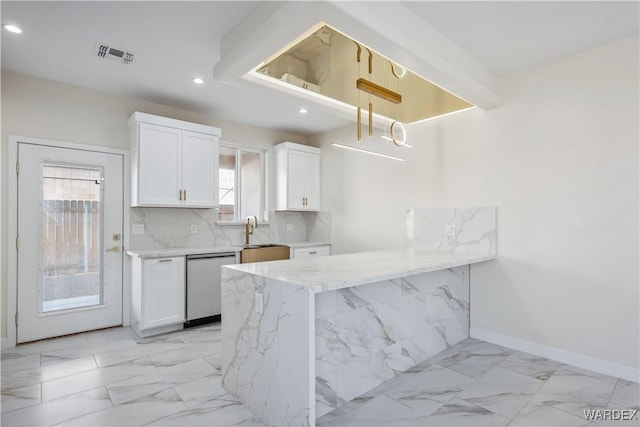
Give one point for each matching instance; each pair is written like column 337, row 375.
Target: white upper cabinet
column 297, row 177
column 174, row 163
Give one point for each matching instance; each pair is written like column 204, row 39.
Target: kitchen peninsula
column 302, row 337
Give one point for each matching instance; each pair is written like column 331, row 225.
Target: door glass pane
column 227, row 184
column 72, row 237
column 251, row 184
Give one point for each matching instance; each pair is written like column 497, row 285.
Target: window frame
column 263, row 153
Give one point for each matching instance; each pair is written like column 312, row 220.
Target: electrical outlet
column 289, row 227
column 259, row 303
column 194, row 229
column 450, row 230
column 137, row 228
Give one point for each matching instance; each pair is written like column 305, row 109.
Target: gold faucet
column 248, row 227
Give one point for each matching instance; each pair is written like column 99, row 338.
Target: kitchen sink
column 265, row 252
column 266, row 245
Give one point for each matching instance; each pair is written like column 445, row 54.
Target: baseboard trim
column 5, row 343
column 570, row 358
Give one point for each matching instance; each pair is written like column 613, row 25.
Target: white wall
column 49, row 110
column 560, row 161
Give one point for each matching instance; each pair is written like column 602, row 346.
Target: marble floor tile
column 473, row 358
column 21, row 397
column 458, row 412
column 134, row 352
column 17, row 361
column 187, row 353
column 436, row 383
column 528, row 364
column 537, row 414
column 197, row 366
column 86, row 380
column 142, row 385
column 24, row 377
column 251, row 422
column 59, row 410
column 39, row 347
column 502, row 391
column 201, row 390
column 379, row 411
column 620, row 416
column 90, row 348
column 626, row 395
column 575, row 392
column 134, row 413
column 225, row 411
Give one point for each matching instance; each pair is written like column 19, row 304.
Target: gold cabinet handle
column 165, row 260
column 180, row 194
column 313, row 252
column 185, row 194
column 113, row 249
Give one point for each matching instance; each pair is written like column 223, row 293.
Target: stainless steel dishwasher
column 203, row 287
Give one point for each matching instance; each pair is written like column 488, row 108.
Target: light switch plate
column 450, row 230
column 194, row 229
column 259, row 304
column 137, row 229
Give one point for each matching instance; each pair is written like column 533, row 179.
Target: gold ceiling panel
column 325, row 62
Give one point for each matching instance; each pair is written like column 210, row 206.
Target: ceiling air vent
column 113, row 53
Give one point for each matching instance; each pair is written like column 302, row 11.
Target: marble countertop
column 342, row 271
column 304, row 244
column 156, row 253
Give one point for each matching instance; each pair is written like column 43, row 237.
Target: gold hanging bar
column 370, row 120
column 359, row 51
column 359, row 124
column 370, row 60
column 379, row 91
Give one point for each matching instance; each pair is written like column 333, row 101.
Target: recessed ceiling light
column 303, row 110
column 197, row 80
column 13, row 29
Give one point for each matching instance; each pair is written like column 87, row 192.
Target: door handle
column 113, row 249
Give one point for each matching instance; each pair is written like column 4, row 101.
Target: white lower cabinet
column 310, row 252
column 157, row 294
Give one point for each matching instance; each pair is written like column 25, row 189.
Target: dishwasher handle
column 216, row 255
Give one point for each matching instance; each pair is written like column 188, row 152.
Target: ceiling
column 176, row 41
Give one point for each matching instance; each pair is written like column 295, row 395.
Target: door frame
column 12, row 229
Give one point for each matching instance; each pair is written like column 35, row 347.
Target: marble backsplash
column 461, row 230
column 171, row 228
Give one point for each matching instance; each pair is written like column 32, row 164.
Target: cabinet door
column 296, row 177
column 159, row 168
column 199, row 169
column 312, row 182
column 163, row 291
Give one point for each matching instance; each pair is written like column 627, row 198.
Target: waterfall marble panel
column 368, row 334
column 460, row 230
column 266, row 357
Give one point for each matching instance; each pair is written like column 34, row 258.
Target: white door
column 70, row 215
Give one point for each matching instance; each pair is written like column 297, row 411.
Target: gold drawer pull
column 165, row 260
column 313, row 252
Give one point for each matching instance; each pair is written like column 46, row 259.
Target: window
column 242, row 183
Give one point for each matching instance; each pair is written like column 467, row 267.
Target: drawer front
column 313, row 251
